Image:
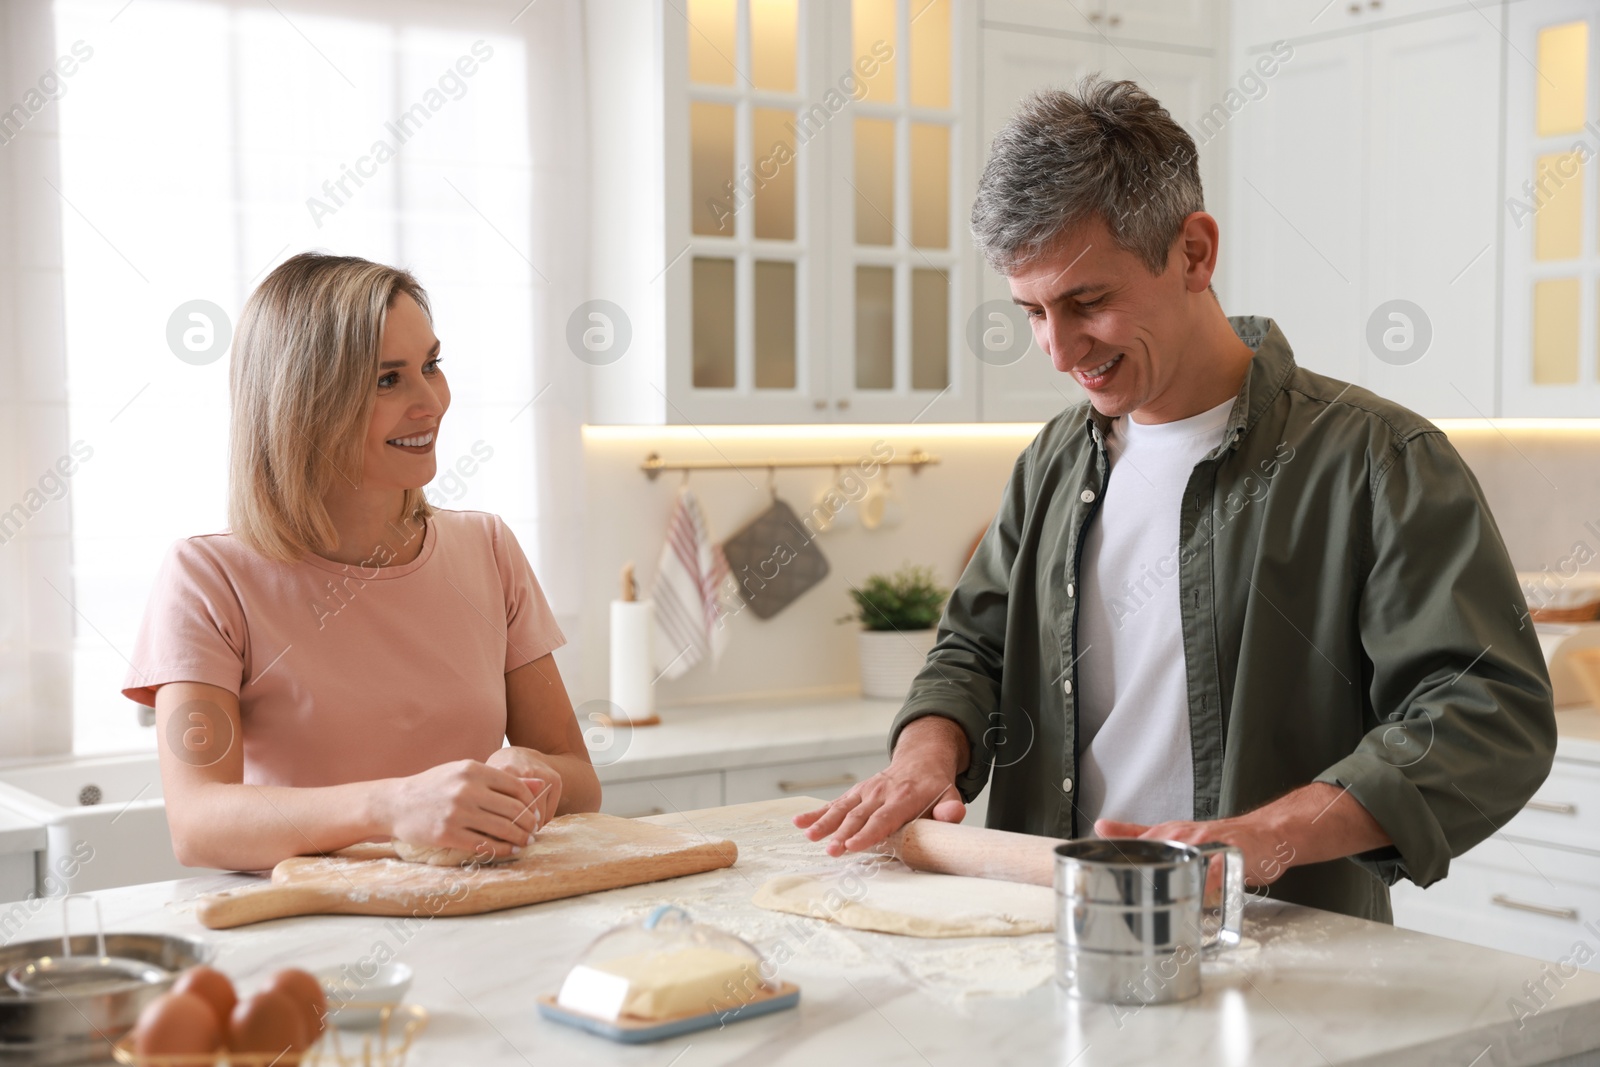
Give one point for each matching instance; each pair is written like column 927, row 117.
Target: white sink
column 104, row 818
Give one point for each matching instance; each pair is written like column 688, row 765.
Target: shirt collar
column 1271, row 367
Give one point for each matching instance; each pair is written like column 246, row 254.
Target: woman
column 345, row 662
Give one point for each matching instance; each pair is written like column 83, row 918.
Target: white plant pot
column 890, row 659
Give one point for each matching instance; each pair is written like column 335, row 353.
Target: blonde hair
column 305, row 364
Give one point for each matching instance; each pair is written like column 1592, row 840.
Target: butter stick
column 661, row 985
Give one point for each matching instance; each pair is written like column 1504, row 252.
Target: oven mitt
column 774, row 560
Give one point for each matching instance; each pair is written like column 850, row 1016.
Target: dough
column 902, row 901
column 444, row 857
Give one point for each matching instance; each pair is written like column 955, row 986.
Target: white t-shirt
column 1136, row 760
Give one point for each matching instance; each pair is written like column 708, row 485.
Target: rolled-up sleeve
column 961, row 678
column 1466, row 725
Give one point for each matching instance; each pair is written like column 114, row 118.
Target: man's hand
column 1266, row 854
column 1313, row 824
column 531, row 766
column 919, row 782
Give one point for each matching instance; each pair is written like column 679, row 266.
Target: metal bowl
column 47, row 1031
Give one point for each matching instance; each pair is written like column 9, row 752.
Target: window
column 201, row 144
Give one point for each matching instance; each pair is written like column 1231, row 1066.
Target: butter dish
column 663, row 976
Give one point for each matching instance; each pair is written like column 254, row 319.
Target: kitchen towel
column 774, row 560
column 688, row 615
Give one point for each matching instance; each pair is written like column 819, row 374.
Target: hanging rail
column 653, row 464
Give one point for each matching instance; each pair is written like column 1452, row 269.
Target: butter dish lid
column 664, row 966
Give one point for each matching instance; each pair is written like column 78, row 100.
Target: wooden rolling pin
column 976, row 852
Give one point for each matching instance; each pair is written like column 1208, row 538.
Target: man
column 1226, row 599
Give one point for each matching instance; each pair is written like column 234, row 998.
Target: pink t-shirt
column 351, row 673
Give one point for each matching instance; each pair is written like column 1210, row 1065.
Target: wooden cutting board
column 575, row 854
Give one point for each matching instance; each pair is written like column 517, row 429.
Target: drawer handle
column 809, row 784
column 1538, row 909
column 1554, row 807
column 644, row 814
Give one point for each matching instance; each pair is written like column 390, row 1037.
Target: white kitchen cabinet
column 1532, row 887
column 814, row 317
column 1357, row 186
column 902, row 171
column 1296, row 253
column 1053, row 15
column 1017, row 63
column 824, row 779
column 1565, row 810
column 1550, row 343
column 1273, row 20
column 1530, row 899
column 739, row 235
column 1025, row 387
column 1184, row 23
column 657, row 796
column 1431, row 209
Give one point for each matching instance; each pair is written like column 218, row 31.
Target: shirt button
column 1066, row 785
column 1071, row 589
column 1066, row 685
column 1087, row 496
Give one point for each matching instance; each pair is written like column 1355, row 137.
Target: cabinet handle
column 1554, row 807
column 643, row 814
column 818, row 404
column 1094, row 16
column 1504, row 901
column 842, row 402
column 1114, row 21
column 1355, row 9
column 809, row 784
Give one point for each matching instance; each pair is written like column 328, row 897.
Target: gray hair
column 1110, row 149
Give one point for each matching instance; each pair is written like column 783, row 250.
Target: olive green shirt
column 1350, row 616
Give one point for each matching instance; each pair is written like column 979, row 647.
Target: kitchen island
column 1308, row 987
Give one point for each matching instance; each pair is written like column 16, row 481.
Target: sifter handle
column 1232, row 926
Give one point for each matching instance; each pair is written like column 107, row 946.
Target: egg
column 308, row 995
column 267, row 1022
column 211, row 986
column 177, row 1023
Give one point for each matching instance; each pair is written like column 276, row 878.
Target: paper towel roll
column 632, row 665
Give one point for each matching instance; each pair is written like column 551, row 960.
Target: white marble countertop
column 749, row 734
column 1320, row 988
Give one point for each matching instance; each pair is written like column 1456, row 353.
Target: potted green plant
column 899, row 617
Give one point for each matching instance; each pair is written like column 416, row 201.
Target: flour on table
column 443, row 857
column 895, row 900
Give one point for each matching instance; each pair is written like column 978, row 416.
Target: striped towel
column 688, row 616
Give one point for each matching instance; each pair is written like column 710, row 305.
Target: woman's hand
column 542, row 777
column 464, row 804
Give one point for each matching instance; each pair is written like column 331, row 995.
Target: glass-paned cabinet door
column 744, row 222
column 1551, row 343
column 902, row 176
